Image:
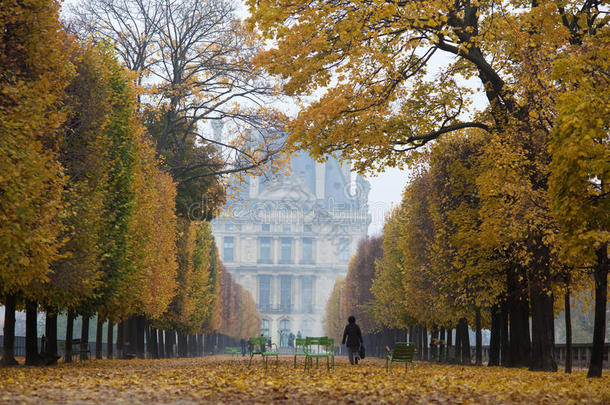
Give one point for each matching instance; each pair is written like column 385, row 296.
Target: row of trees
column 92, row 218
column 515, row 203
column 448, row 259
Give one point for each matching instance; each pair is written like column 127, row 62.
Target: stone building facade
column 287, row 240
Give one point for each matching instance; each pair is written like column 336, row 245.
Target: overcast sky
column 386, row 191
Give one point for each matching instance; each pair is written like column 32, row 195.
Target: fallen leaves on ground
column 226, row 380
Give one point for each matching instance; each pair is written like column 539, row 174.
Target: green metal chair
column 299, row 349
column 403, row 352
column 316, row 347
column 258, row 345
column 330, row 348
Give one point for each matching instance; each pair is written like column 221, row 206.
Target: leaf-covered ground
column 226, row 380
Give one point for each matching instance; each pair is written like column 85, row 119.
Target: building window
column 265, row 328
column 306, row 228
column 264, row 293
column 343, row 250
column 285, row 293
column 286, row 251
column 307, row 293
column 265, row 227
column 265, row 251
column 307, row 257
column 228, row 227
column 286, row 228
column 285, row 333
column 307, row 327
column 228, row 251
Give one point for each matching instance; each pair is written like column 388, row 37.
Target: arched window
column 285, row 332
column 265, row 328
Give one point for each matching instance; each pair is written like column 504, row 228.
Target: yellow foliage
column 227, row 381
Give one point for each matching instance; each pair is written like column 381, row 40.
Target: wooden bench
column 258, row 345
column 402, row 353
column 317, row 347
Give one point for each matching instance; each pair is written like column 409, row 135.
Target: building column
column 297, row 285
column 275, row 250
column 275, row 291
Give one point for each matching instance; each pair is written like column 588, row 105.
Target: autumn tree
column 358, row 298
column 83, row 152
column 34, row 71
column 194, row 59
column 387, row 286
column 197, row 281
column 369, row 64
column 238, row 316
column 334, row 323
column 580, row 172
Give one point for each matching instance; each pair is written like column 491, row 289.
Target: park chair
column 316, row 347
column 330, row 348
column 233, row 351
column 403, row 352
column 299, row 349
column 258, row 345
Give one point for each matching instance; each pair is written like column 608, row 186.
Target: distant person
column 243, row 347
column 299, row 336
column 352, row 338
column 291, row 340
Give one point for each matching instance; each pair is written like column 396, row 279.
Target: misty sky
column 386, row 191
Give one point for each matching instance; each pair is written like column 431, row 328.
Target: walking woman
column 352, row 338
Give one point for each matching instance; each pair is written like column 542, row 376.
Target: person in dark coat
column 352, row 338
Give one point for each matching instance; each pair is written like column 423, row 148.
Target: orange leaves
column 222, row 380
column 35, row 69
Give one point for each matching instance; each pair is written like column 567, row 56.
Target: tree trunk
column 424, row 337
column 518, row 308
column 32, row 358
column 449, row 344
column 161, row 342
column 466, row 344
column 148, row 344
column 458, row 344
column 98, row 337
column 120, row 339
column 69, row 332
column 109, row 340
column 50, row 352
column 494, row 340
column 169, row 343
column 464, row 341
column 130, row 338
column 442, row 346
column 434, row 344
column 568, row 318
column 84, row 338
column 181, row 345
column 201, row 345
column 504, row 344
column 154, row 344
column 479, row 339
column 8, row 344
column 543, row 319
column 599, row 326
column 140, row 331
